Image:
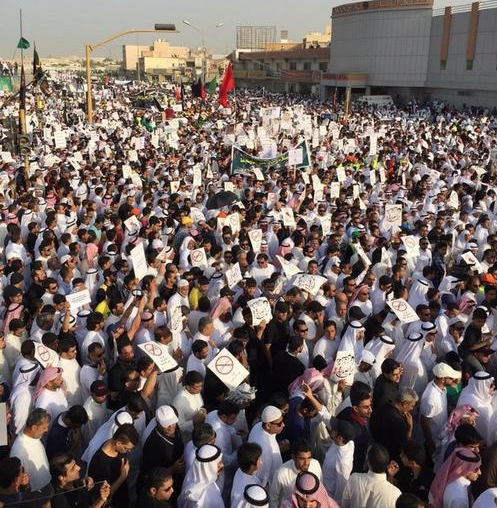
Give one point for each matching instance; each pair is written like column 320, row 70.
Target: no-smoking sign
column 224, row 365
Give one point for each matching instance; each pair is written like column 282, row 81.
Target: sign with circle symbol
column 228, row 369
column 224, row 365
column 44, row 354
column 197, row 255
column 152, row 349
column 400, row 306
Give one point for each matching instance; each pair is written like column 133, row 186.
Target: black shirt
column 161, row 451
column 362, row 438
column 419, row 486
column 102, row 467
column 59, row 438
column 391, row 431
column 472, row 335
column 276, row 334
column 145, row 501
column 286, row 368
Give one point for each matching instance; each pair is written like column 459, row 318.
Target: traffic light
column 24, row 144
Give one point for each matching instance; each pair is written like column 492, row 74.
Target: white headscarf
column 411, row 349
column 199, row 487
column 253, row 496
column 380, row 347
column 349, row 340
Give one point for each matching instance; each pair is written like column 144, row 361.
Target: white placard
column 470, row 259
column 373, row 144
column 132, row 224
column 197, row 176
column 289, row 269
column 174, row 186
column 233, row 220
column 137, row 181
column 4, row 441
column 362, row 254
column 305, row 177
column 78, row 300
column 126, row 171
column 258, row 174
column 325, row 225
column 344, row 367
column 288, row 217
column 46, row 356
column 372, row 177
column 295, row 156
column 341, row 174
column 228, row 369
column 261, row 310
column 139, row 143
column 403, row 310
column 139, row 261
column 159, row 354
column 393, row 216
column 309, row 283
column 198, row 258
column 176, row 319
column 335, row 189
column 255, row 236
column 6, row 156
column 60, row 139
column 411, row 245
column 228, row 186
column 233, row 275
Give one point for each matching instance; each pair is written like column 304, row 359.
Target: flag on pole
column 227, row 85
column 36, row 61
column 178, row 93
column 212, row 86
column 23, row 43
column 22, row 102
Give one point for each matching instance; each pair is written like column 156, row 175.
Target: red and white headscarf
column 308, row 487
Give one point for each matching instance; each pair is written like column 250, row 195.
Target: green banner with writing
column 243, row 161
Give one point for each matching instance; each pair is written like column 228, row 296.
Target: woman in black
column 110, row 463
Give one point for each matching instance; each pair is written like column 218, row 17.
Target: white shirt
column 337, row 467
column 369, row 490
column 240, row 481
column 187, row 405
column 283, row 484
column 87, row 375
column 434, row 406
column 53, row 401
column 33, row 457
column 72, row 384
column 98, row 414
column 271, row 455
column 456, row 494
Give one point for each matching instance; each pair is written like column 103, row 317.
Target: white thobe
column 53, row 401
column 240, row 481
column 271, row 455
column 98, row 414
column 33, row 457
column 72, row 384
column 187, row 405
column 337, row 467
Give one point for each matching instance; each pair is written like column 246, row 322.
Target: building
column 251, row 38
column 162, row 61
column 406, row 49
column 285, row 66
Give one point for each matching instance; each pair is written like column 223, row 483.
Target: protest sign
column 160, row 355
column 260, row 309
column 403, row 310
column 78, row 299
column 393, row 216
column 199, row 258
column 255, row 236
column 343, row 367
column 46, row 356
column 139, row 261
column 228, row 369
column 309, row 283
column 233, row 275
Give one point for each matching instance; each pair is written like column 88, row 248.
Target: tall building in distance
column 254, row 37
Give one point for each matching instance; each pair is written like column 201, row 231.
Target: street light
column 158, row 27
column 218, row 25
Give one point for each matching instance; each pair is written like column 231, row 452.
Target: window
column 307, row 66
column 443, row 65
column 323, row 66
column 469, row 65
column 293, row 66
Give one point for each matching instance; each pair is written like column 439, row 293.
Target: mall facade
column 407, row 49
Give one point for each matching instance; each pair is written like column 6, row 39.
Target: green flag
column 23, row 43
column 212, row 86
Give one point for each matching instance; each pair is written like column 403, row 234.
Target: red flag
column 178, row 94
column 227, row 85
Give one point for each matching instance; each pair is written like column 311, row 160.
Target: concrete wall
column 391, row 46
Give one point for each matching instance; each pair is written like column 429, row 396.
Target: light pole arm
column 126, row 32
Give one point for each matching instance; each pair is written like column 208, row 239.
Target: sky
column 63, row 27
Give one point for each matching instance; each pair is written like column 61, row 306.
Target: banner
column 5, row 84
column 243, row 161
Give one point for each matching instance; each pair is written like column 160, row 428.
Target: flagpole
column 20, row 25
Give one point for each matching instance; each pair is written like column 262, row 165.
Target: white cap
column 157, row 244
column 270, row 414
column 65, row 258
column 368, row 357
column 256, row 495
column 166, row 416
column 443, row 370
column 183, row 283
column 207, row 453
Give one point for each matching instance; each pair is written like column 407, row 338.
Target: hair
column 389, row 365
column 58, row 464
column 466, row 435
column 378, row 458
column 37, row 417
column 143, row 363
column 479, row 313
column 228, row 408
column 10, row 469
column 199, row 345
column 192, row 378
column 294, row 343
column 203, row 322
column 408, row 500
column 66, row 344
column 301, row 445
column 126, row 433
column 415, row 451
column 359, row 391
column 406, row 394
column 157, row 477
column 202, row 434
column 77, row 415
column 135, row 403
column 248, row 454
column 235, row 347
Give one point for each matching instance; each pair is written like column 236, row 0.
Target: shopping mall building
column 406, row 49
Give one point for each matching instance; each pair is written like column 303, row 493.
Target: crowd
column 352, row 284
